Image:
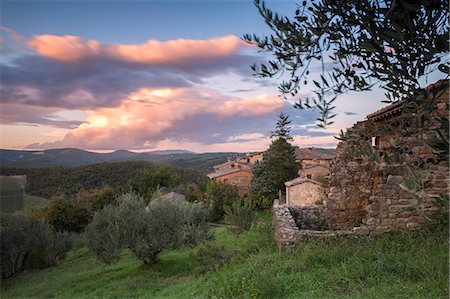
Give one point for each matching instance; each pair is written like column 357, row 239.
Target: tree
column 218, row 196
column 163, row 177
column 146, row 230
column 283, row 129
column 278, row 164
column 392, row 43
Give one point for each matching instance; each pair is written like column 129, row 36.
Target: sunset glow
column 146, row 86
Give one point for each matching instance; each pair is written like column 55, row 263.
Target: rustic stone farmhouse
column 375, row 162
column 251, row 159
column 234, row 173
column 315, row 162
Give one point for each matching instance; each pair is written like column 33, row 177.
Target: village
column 256, row 149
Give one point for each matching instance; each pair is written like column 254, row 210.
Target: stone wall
column 311, row 218
column 314, row 171
column 365, row 180
column 306, row 193
column 287, row 234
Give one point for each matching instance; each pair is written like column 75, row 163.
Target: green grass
column 391, row 266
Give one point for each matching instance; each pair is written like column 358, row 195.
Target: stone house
column 365, row 194
column 251, row 159
column 379, row 154
column 233, row 173
column 303, row 192
column 315, row 162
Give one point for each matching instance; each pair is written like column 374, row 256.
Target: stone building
column 233, row 173
column 315, row 162
column 368, row 190
column 251, row 159
column 380, row 154
column 303, row 192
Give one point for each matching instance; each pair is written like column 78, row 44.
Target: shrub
column 73, row 214
column 240, row 215
column 218, row 196
column 209, row 256
column 66, row 214
column 145, row 231
column 28, row 243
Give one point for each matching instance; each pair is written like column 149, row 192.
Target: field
column 250, row 266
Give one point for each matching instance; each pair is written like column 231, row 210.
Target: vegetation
column 389, row 43
column 218, row 196
column 240, row 214
column 395, row 265
column 278, row 164
column 73, row 214
column 77, row 157
column 145, row 230
column 163, row 176
column 50, row 181
column 27, row 243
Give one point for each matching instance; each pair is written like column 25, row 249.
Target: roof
column 175, row 196
column 301, row 180
column 397, row 107
column 314, row 153
column 315, row 165
column 217, row 174
column 230, row 163
column 387, row 111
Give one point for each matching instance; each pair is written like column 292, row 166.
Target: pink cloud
column 147, row 116
column 69, row 48
column 12, row 34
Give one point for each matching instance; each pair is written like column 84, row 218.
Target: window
column 225, row 180
column 308, row 176
column 374, row 141
column 248, row 160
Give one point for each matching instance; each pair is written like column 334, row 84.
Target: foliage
column 208, row 256
column 164, row 176
column 282, row 129
column 277, row 167
column 261, row 202
column 27, row 243
column 218, row 196
column 66, row 214
column 279, row 163
column 50, row 181
column 240, row 214
column 75, row 213
column 387, row 42
column 145, row 231
column 394, row 265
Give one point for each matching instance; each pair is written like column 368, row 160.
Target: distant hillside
column 48, row 181
column 72, row 157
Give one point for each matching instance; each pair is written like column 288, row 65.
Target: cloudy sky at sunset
column 146, row 75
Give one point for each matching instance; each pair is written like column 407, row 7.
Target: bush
column 240, row 215
column 209, row 256
column 218, row 196
column 66, row 214
column 74, row 214
column 145, row 231
column 28, row 243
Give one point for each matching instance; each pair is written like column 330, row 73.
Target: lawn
column 250, row 266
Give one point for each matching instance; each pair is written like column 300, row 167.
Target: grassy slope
column 392, row 266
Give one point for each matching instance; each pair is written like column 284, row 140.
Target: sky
column 147, row 75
